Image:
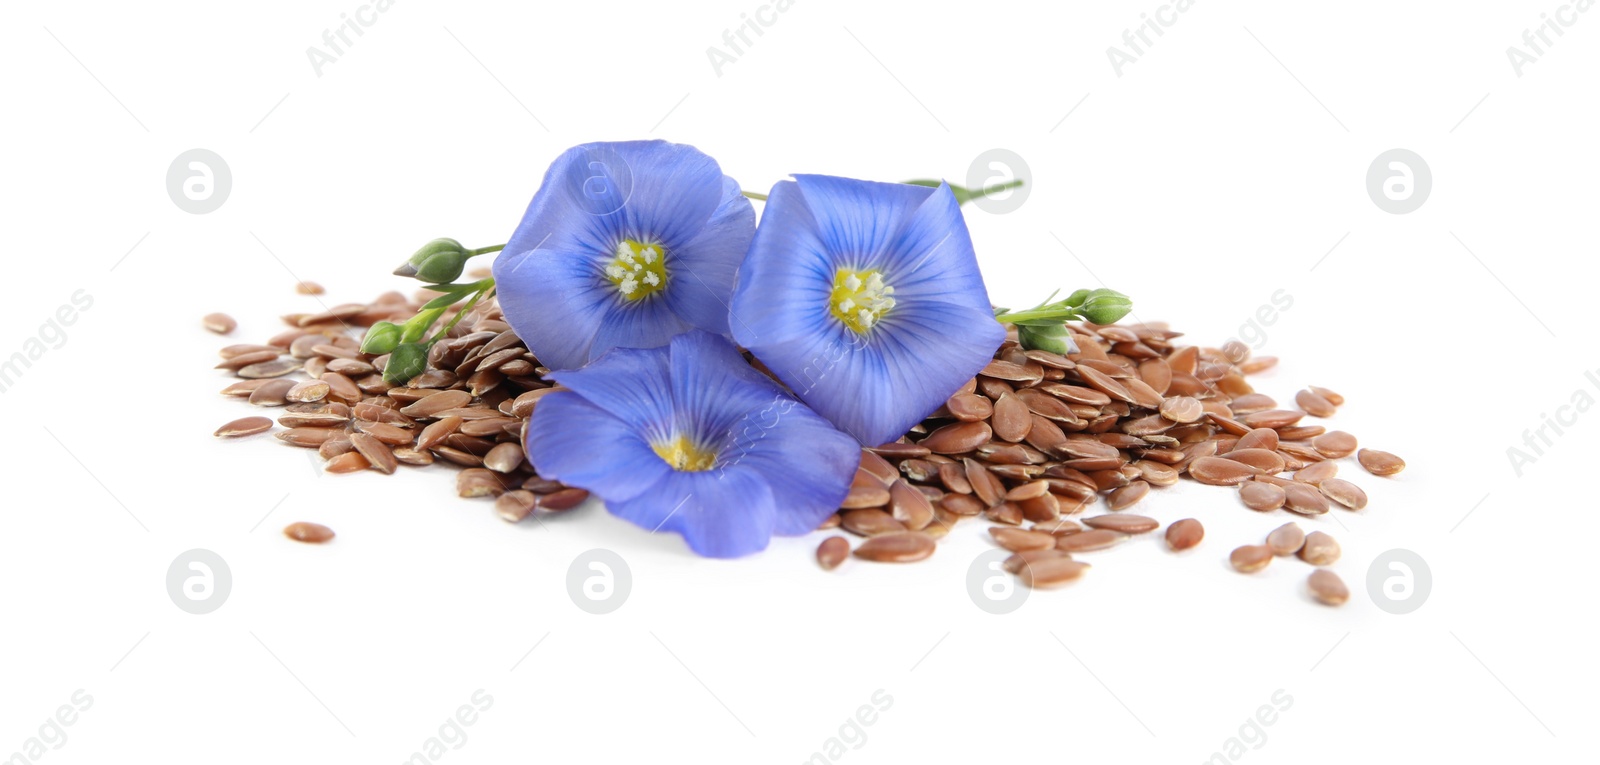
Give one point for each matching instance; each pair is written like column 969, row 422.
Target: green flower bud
column 406, row 361
column 1076, row 299
column 435, row 247
column 417, row 326
column 381, row 338
column 1054, row 338
column 441, row 268
column 1105, row 306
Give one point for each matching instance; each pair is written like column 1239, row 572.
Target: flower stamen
column 683, row 455
column 637, row 269
column 860, row 299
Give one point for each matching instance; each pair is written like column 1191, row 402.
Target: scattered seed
column 1012, row 419
column 898, row 547
column 504, row 458
column 1327, row 587
column 1332, row 398
column 1286, row 539
column 273, row 393
column 1334, row 444
column 312, row 533
column 958, row 437
column 1250, row 558
column 1087, row 541
column 1380, row 463
column 562, row 500
column 1317, row 472
column 870, row 522
column 962, row 504
column 1262, row 497
column 277, row 368
column 1185, row 534
column 348, row 462
column 1014, row 564
column 1304, row 499
column 1127, row 496
column 1182, row 409
column 832, row 552
column 1320, row 549
column 909, row 506
column 438, row 402
column 244, row 426
column 375, row 451
column 513, row 506
column 1218, row 471
column 219, row 323
column 477, row 482
column 969, row 407
column 1048, row 572
column 1018, row 540
column 1263, row 460
column 865, row 491
column 1315, row 405
column 1344, row 492
column 1126, row 523
column 307, row 437
column 408, row 455
column 307, row 391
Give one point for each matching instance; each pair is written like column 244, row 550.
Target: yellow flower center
column 638, row 269
column 682, row 454
column 860, row 299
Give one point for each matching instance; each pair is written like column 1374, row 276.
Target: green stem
column 487, row 286
column 485, row 250
column 756, row 195
column 1012, row 317
column 980, row 193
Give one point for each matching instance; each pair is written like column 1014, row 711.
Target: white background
column 1228, row 163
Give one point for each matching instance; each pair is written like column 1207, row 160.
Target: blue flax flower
column 624, row 245
column 691, row 439
column 865, row 299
